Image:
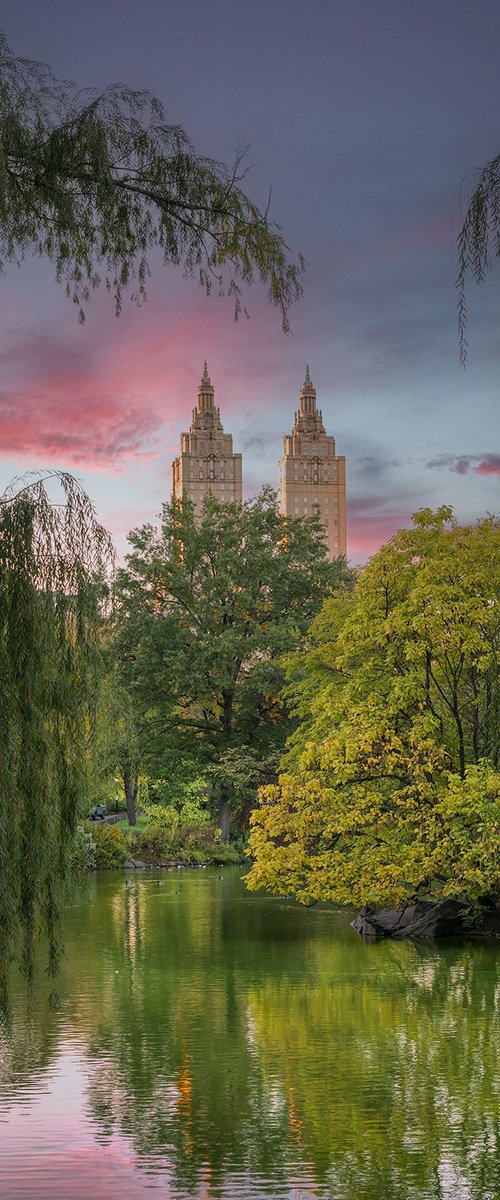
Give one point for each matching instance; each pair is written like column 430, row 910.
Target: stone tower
column 312, row 475
column 206, row 462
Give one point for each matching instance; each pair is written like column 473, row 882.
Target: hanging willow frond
column 54, row 560
column 96, row 181
column 478, row 240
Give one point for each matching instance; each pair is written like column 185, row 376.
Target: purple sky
column 366, row 117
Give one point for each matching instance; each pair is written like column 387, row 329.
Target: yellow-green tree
column 391, row 787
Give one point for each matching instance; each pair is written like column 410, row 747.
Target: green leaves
column 54, row 557
column 96, row 182
column 391, row 783
column 206, row 610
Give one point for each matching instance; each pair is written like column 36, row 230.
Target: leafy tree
column 96, row 181
column 115, row 749
column 478, row 240
column 206, row 608
column 52, row 559
column 391, row 788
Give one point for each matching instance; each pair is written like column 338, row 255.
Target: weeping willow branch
column 478, row 240
column 95, row 182
column 54, row 560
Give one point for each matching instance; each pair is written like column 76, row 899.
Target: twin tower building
column 311, row 474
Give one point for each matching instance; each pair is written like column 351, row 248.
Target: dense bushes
column 111, row 844
column 181, row 843
column 164, row 840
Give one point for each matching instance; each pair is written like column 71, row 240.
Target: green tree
column 95, row 182
column 115, row 749
column 53, row 556
column 206, row 609
column 391, row 788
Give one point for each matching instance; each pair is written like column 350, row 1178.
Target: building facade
column 206, row 463
column 312, row 475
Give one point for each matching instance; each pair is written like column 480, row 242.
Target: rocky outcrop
column 420, row 920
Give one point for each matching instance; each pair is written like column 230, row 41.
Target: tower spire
column 205, row 391
column 308, row 396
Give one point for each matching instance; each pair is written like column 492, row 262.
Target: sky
column 365, row 121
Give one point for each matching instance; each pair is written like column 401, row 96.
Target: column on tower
column 206, row 463
column 312, row 475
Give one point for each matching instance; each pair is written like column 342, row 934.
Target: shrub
column 160, row 816
column 192, row 814
column 153, row 844
column 188, row 844
column 227, row 853
column 111, row 846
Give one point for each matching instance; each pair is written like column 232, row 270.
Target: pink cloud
column 370, row 526
column 489, row 465
column 97, row 396
column 461, row 464
column 97, row 432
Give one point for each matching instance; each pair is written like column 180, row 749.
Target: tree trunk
column 224, row 814
column 131, row 783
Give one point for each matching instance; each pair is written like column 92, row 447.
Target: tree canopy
column 391, row 787
column 53, row 559
column 206, row 609
column 96, row 181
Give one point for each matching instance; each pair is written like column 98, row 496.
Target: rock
column 420, row 920
column 443, row 919
column 128, row 865
column 138, row 863
column 364, row 925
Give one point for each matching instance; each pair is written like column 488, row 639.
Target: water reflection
column 229, row 1045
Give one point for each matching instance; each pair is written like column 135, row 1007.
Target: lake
column 215, row 1043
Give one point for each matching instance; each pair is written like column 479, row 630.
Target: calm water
column 212, row 1043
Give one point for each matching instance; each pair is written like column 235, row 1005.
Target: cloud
column 255, row 442
column 372, row 520
column 96, row 432
column 488, row 465
column 461, row 464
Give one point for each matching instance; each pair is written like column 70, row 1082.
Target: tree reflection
column 236, row 1038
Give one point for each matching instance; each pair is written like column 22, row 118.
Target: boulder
column 420, row 920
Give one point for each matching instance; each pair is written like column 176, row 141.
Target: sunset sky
column 366, row 119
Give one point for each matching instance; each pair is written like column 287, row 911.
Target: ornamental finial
column 308, row 381
column 205, row 379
